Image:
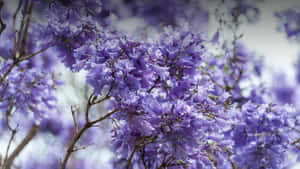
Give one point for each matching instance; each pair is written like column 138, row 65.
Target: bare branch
column 31, row 134
column 77, row 136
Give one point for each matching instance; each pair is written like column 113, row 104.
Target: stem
column 33, row 54
column 74, row 120
column 8, row 71
column 31, row 134
column 15, row 29
column 131, row 156
column 25, row 33
column 13, row 132
column 20, row 31
column 104, row 117
column 77, row 136
column 141, row 144
column 296, row 141
column 72, row 145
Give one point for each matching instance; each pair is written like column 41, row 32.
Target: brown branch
column 296, row 141
column 88, row 106
column 131, row 156
column 25, row 33
column 31, row 134
column 87, row 125
column 154, row 85
column 235, row 39
column 72, row 145
column 3, row 25
column 233, row 165
column 16, row 61
column 15, row 29
column 102, row 99
column 33, row 54
column 20, row 31
column 141, row 144
column 74, row 110
column 13, row 132
column 82, row 147
column 8, row 71
column 4, row 91
column 92, row 100
column 213, row 80
column 9, row 144
column 104, row 117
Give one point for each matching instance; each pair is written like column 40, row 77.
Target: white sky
column 280, row 54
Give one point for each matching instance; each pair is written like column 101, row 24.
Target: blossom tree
column 176, row 98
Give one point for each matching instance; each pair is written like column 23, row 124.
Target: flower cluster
column 25, row 91
column 263, row 135
column 175, row 101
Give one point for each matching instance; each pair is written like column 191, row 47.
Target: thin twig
column 15, row 29
column 13, row 132
column 92, row 100
column 33, row 54
column 235, row 38
column 9, row 144
column 82, row 147
column 88, row 106
column 73, row 110
column 296, row 141
column 213, row 80
column 102, row 99
column 7, row 72
column 104, row 117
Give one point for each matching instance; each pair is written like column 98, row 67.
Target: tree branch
column 87, row 125
column 131, row 156
column 25, row 33
column 74, row 110
column 31, row 134
column 3, row 25
column 15, row 29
